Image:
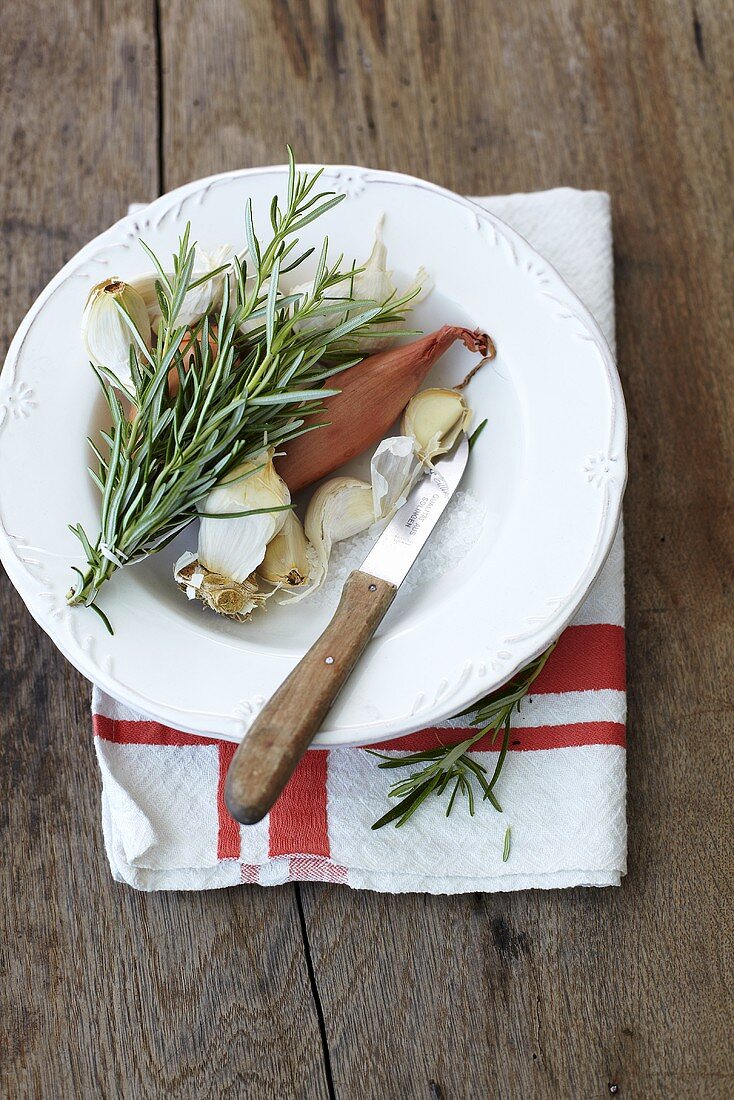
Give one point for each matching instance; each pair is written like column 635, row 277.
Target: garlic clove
column 236, row 547
column 434, row 418
column 345, row 506
column 288, row 558
column 338, row 509
column 106, row 331
column 252, row 324
column 393, row 470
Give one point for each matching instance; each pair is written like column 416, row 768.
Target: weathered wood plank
column 559, row 994
column 107, row 992
column 526, row 995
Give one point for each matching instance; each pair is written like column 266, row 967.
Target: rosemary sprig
column 248, row 376
column 451, row 767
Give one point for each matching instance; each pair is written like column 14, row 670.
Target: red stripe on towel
column 587, row 658
column 568, row 736
column 298, row 821
column 571, row 736
column 145, row 733
column 228, row 831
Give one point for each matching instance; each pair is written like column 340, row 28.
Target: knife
column 287, row 724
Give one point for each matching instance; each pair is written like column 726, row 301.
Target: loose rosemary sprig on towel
column 450, row 769
column 247, row 376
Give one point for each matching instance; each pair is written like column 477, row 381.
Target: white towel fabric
column 563, row 787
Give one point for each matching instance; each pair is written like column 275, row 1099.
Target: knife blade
column 287, row 724
column 399, row 545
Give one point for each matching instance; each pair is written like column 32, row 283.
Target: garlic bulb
column 202, row 299
column 288, row 557
column 434, row 418
column 106, row 331
column 235, row 547
column 222, row 573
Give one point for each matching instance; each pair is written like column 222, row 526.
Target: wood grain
column 292, row 717
column 529, row 995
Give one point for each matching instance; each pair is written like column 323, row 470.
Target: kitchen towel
column 563, row 785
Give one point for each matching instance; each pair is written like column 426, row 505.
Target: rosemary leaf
column 506, row 845
column 476, row 433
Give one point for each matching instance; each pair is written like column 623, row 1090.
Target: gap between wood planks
column 315, row 992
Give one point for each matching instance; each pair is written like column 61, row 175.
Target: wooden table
column 316, row 991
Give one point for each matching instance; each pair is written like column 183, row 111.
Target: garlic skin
column 393, row 470
column 202, row 299
column 435, row 418
column 376, row 284
column 288, row 560
column 235, row 547
column 106, row 332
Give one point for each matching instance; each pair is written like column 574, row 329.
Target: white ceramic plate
column 549, row 473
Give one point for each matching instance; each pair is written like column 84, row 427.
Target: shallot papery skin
column 373, row 395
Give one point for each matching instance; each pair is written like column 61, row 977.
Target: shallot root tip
column 476, row 340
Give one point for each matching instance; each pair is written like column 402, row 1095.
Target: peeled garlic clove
column 106, row 331
column 287, row 560
column 236, row 547
column 202, row 299
column 393, row 468
column 434, row 418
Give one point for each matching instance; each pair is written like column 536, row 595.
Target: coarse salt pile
column 456, row 533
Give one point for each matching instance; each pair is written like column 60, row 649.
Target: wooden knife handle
column 287, row 724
